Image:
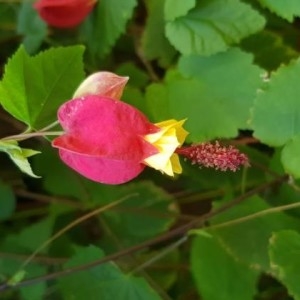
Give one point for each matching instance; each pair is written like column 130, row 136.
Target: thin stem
column 259, row 214
column 179, row 231
column 73, row 224
column 24, row 136
column 49, row 126
column 159, row 255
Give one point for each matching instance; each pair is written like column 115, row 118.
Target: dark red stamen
column 215, row 156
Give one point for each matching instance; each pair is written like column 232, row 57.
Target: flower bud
column 64, row 13
column 104, row 84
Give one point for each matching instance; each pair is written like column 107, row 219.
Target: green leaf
column 7, row 201
column 57, row 177
column 213, row 266
column 19, row 156
column 277, row 106
column 288, row 9
column 106, row 24
column 207, row 94
column 155, row 45
column 212, row 26
column 177, row 8
column 148, row 205
column 290, row 157
column 105, row 282
column 284, row 251
column 269, row 50
column 137, row 77
column 33, row 88
column 31, row 26
column 248, row 240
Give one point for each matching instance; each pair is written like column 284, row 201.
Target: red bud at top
column 64, row 13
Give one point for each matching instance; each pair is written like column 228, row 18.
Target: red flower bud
column 64, row 13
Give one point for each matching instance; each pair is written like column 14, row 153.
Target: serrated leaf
column 19, row 156
column 277, row 107
column 288, row 9
column 177, row 8
column 31, row 26
column 207, row 95
column 248, row 240
column 33, row 88
column 212, row 266
column 284, row 249
column 212, row 26
column 155, row 45
column 290, row 157
column 105, row 282
column 108, row 21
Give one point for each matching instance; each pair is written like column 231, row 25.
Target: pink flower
column 111, row 142
column 64, row 13
column 103, row 139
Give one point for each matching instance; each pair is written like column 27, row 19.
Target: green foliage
column 106, row 25
column 105, row 282
column 19, row 155
column 284, row 254
column 287, row 9
column 214, row 266
column 32, row 90
column 211, row 26
column 192, row 94
column 231, row 68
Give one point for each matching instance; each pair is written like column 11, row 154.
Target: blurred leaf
column 108, row 21
column 154, row 42
column 105, row 282
column 287, row 9
column 207, row 95
column 290, row 157
column 212, row 26
column 144, row 215
column 137, row 77
column 177, row 8
column 213, row 266
column 25, row 242
column 269, row 49
column 57, row 177
column 19, row 156
column 277, row 106
column 7, row 201
column 30, row 237
column 33, row 87
column 31, row 26
column 248, row 240
column 284, row 251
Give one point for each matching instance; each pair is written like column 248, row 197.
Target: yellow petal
column 167, row 140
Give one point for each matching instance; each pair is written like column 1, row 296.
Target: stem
column 73, row 224
column 25, row 136
column 159, row 255
column 176, row 232
column 49, row 126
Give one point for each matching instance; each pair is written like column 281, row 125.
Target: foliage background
column 232, row 69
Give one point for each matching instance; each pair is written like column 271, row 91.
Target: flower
column 103, row 84
column 215, row 156
column 64, row 13
column 111, row 142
